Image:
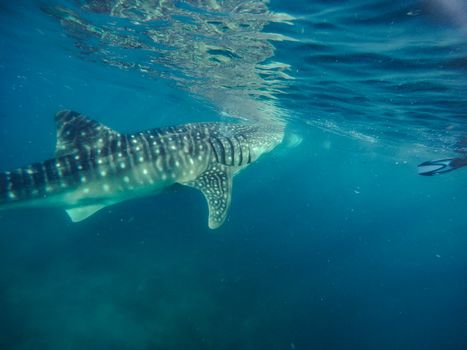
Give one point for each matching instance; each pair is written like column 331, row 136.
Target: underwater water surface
column 332, row 241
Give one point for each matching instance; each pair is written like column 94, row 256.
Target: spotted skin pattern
column 95, row 166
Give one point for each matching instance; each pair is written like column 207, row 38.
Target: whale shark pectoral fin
column 216, row 185
column 75, row 132
column 81, row 213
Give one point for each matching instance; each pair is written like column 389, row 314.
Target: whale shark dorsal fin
column 81, row 213
column 75, row 132
column 216, row 185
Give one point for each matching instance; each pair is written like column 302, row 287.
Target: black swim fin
column 441, row 166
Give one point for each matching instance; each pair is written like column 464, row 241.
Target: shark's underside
column 95, row 166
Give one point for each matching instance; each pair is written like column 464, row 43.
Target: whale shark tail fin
column 440, row 166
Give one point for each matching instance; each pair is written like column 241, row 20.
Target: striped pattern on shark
column 95, row 166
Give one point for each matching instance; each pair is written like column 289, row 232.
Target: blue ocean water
column 335, row 243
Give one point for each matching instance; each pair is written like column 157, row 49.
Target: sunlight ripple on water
column 379, row 72
column 221, row 53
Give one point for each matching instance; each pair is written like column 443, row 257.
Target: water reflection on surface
column 216, row 50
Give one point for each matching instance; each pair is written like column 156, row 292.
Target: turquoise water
column 335, row 243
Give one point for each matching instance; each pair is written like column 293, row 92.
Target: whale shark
column 95, row 166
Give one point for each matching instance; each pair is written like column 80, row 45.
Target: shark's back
column 229, row 144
